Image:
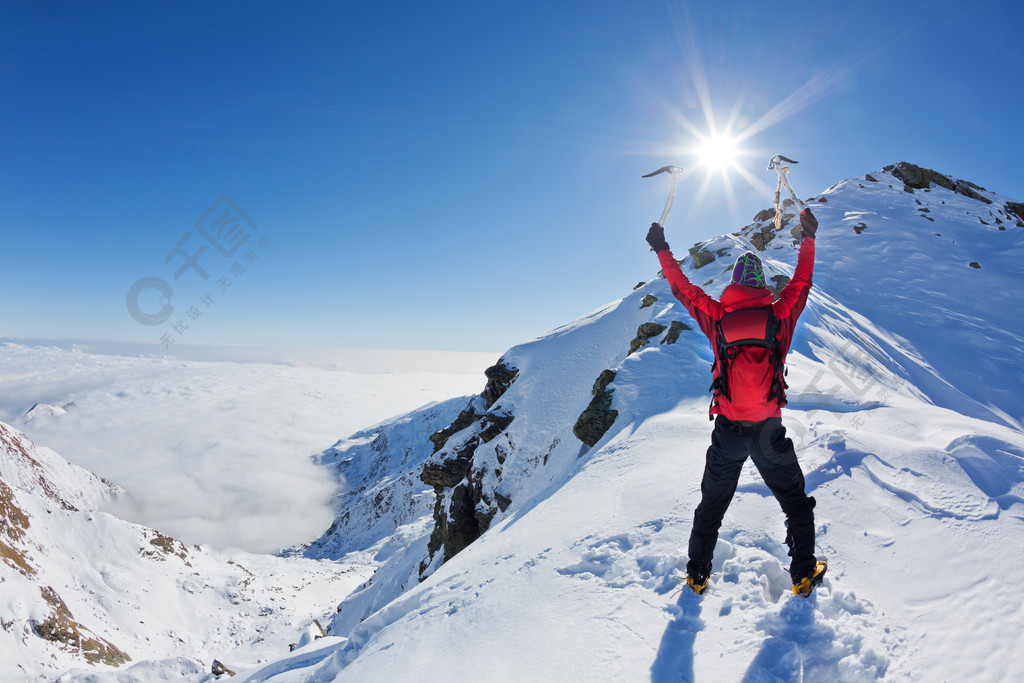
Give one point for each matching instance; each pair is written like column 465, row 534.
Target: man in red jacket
column 749, row 392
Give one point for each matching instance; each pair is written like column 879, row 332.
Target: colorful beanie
column 748, row 271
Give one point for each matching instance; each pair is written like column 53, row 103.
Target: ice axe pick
column 776, row 164
column 672, row 171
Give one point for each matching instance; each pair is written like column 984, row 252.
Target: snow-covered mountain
column 80, row 587
column 563, row 494
column 536, row 531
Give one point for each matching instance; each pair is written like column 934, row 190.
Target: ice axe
column 776, row 164
column 672, row 171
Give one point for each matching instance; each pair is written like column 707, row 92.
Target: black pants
column 773, row 455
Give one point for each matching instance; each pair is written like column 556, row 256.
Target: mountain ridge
column 572, row 568
column 857, row 358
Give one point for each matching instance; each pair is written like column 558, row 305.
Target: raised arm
column 704, row 309
column 793, row 296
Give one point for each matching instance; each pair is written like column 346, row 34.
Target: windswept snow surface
column 906, row 394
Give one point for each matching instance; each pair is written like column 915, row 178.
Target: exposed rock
column 1016, row 209
column 674, row 328
column 638, row 285
column 598, row 417
column 449, row 472
column 870, row 178
column 164, row 546
column 860, row 227
column 493, row 424
column 60, row 627
column 458, row 487
column 765, row 215
column 502, row 501
column 13, row 524
column 484, row 518
column 969, row 189
column 701, row 257
column 917, row 177
column 648, row 301
column 644, row 333
column 974, row 264
column 441, row 436
column 780, row 282
column 462, row 527
column 760, row 240
column 822, row 200
column 218, row 669
column 499, row 379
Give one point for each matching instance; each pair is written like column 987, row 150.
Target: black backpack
column 748, row 327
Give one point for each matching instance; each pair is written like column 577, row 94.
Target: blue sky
column 458, row 176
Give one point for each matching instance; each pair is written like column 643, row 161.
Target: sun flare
column 717, row 152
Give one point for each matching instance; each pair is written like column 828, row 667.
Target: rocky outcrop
column 779, row 283
column 598, row 417
column 644, row 334
column 701, row 257
column 59, row 626
column 13, row 525
column 674, row 329
column 919, row 178
column 462, row 508
column 218, row 669
column 441, row 436
column 761, row 239
column 1017, row 210
column 648, row 301
column 499, row 378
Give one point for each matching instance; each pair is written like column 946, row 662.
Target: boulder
column 644, row 333
column 598, row 416
column 674, row 329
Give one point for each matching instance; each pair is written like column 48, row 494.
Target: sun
column 717, row 152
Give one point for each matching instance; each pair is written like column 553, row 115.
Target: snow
column 917, row 467
column 906, row 391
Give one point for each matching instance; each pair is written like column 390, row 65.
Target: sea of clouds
column 216, row 451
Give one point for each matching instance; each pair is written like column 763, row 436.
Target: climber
column 749, row 391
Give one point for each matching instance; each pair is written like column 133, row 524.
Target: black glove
column 809, row 223
column 656, row 237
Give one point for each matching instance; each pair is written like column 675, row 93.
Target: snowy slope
column 906, row 391
column 79, row 587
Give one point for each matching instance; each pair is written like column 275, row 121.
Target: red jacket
column 750, row 373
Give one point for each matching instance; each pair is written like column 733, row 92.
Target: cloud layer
column 211, row 452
